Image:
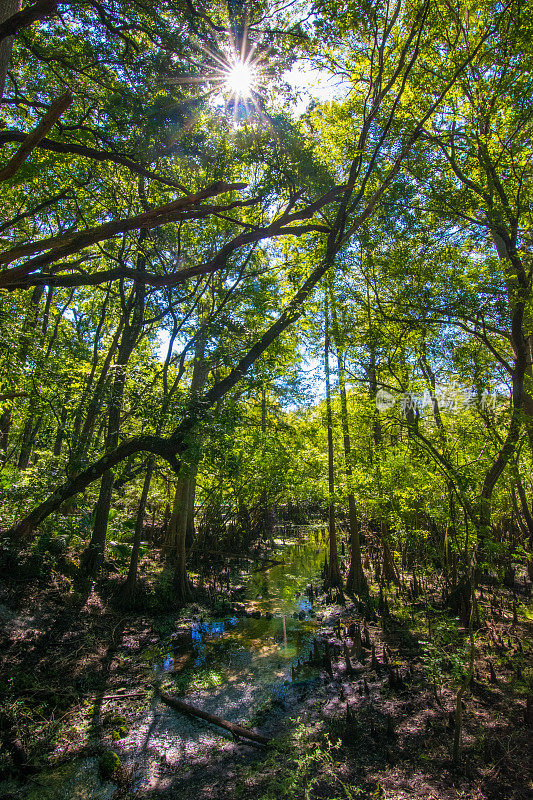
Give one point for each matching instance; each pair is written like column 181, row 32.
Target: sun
column 239, row 79
column 231, row 81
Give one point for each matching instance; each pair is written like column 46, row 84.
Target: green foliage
column 443, row 657
column 108, row 764
column 297, row 771
column 428, row 274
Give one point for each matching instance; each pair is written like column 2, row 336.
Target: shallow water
column 238, row 668
column 235, row 668
column 260, row 649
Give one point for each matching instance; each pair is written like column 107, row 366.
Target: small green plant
column 297, row 769
column 120, row 733
column 108, row 765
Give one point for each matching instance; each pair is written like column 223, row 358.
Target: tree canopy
column 170, row 210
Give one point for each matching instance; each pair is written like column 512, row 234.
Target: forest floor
column 76, row 684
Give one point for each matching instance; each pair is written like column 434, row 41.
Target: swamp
column 266, row 400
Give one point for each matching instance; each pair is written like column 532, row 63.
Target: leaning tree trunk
column 333, row 576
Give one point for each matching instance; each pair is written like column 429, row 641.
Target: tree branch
column 64, row 245
column 95, row 155
column 22, row 19
column 31, row 140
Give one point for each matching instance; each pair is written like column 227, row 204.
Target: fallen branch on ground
column 129, row 694
column 236, row 730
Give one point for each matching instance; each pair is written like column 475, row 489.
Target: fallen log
column 120, row 696
column 237, row 730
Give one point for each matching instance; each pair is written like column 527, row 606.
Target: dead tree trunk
column 237, row 730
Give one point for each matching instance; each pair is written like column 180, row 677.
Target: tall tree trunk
column 177, row 533
column 429, row 375
column 129, row 589
column 83, row 434
column 182, row 518
column 390, row 570
column 508, row 447
column 7, row 9
column 190, row 531
column 88, row 383
column 333, row 577
column 519, row 295
column 92, row 558
column 60, row 433
column 30, row 324
column 31, row 426
column 356, row 581
column 29, row 433
column 528, row 520
column 5, row 426
column 265, row 522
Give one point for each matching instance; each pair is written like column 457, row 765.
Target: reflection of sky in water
column 252, row 657
column 213, row 629
column 265, row 645
column 167, row 663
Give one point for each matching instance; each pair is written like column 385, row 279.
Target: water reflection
column 233, row 667
column 251, row 649
column 281, row 588
column 202, row 630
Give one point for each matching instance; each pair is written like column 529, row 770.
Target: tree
column 106, row 106
column 355, row 580
column 333, row 575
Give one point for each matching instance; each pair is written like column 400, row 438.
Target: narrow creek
column 242, row 668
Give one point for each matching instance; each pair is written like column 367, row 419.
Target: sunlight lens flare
column 240, row 79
